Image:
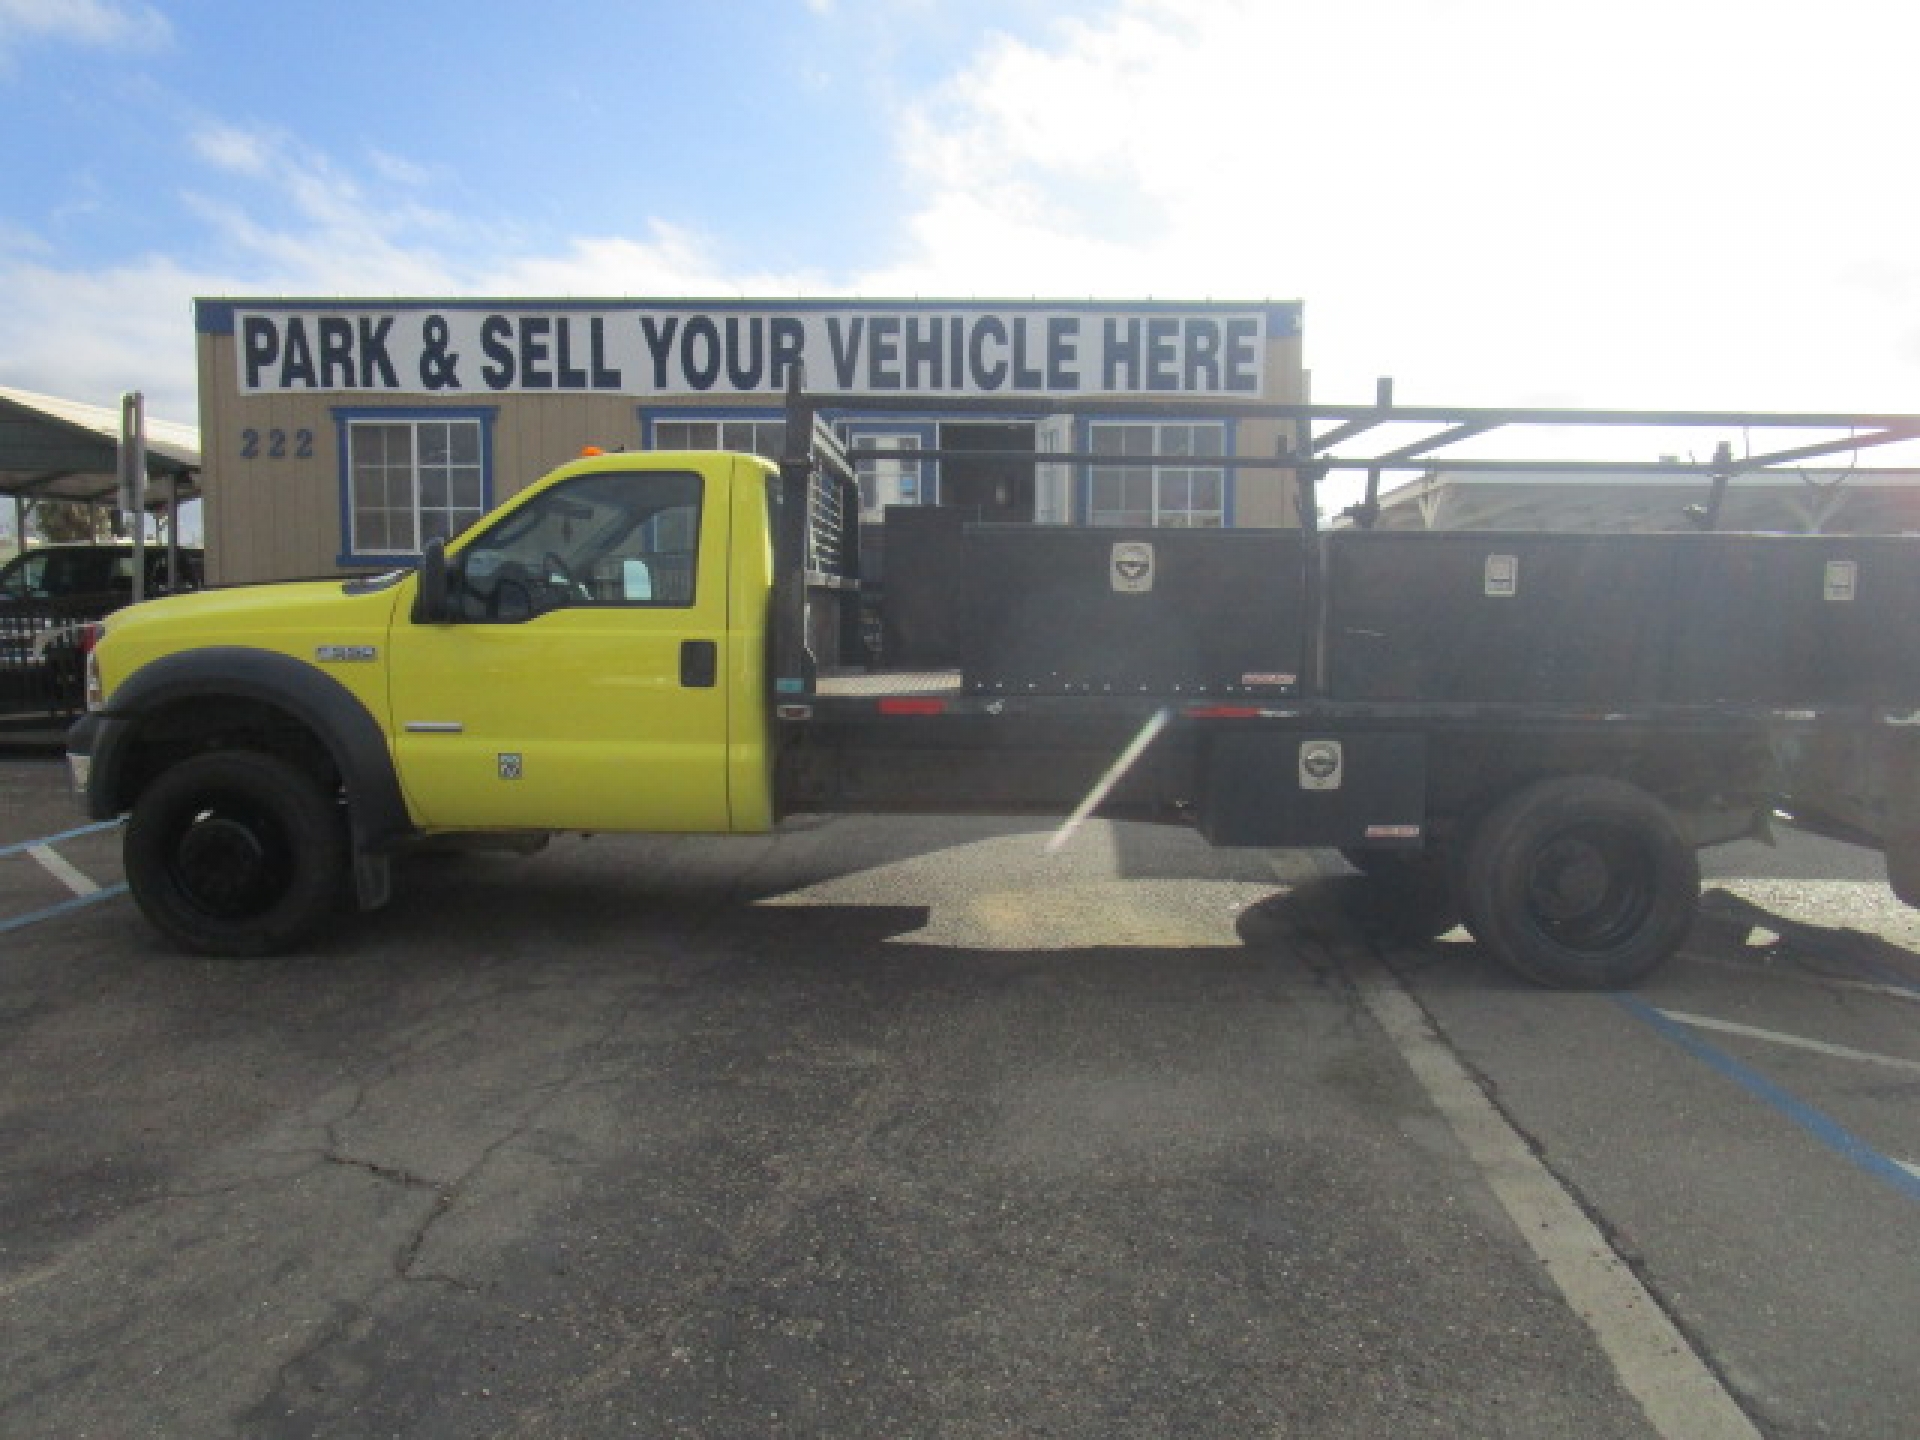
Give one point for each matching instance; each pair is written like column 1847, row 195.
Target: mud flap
column 372, row 880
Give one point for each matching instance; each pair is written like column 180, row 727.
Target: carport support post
column 173, row 532
column 133, row 481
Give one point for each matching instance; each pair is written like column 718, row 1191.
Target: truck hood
column 299, row 620
column 254, row 608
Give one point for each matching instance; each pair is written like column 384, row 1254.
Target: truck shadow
column 1734, row 930
column 1731, row 932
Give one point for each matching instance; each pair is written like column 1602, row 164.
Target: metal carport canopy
column 53, row 449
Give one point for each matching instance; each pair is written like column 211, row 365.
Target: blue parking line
column 65, row 907
column 24, row 845
column 1826, row 1130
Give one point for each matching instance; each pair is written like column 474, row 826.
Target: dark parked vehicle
column 95, row 577
column 49, row 595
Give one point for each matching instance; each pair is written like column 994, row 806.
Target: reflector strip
column 900, row 706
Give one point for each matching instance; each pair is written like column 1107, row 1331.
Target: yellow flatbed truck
column 1531, row 733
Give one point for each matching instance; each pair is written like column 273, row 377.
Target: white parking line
column 58, row 866
column 1682, row 1398
column 1797, row 1042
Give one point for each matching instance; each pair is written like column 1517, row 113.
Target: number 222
column 276, row 445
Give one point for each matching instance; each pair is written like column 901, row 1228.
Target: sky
column 1688, row 204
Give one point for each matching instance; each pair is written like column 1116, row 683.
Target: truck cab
column 591, row 656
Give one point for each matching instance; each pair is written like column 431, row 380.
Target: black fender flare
column 376, row 808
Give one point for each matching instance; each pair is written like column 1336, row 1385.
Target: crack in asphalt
column 355, row 1316
column 803, row 1177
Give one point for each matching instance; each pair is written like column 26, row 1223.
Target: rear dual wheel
column 236, row 853
column 1580, row 882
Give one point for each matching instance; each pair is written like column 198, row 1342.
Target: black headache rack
column 817, row 612
column 1257, row 615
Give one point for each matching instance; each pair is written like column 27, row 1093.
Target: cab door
column 580, row 686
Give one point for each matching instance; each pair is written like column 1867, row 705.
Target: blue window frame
column 409, row 477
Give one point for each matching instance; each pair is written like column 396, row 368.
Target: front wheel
column 236, row 853
column 1580, row 882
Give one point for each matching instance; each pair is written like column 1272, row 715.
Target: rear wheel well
column 1714, row 785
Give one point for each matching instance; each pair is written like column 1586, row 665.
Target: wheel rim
column 230, row 859
column 1590, row 887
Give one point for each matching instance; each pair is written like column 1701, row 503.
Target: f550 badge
column 346, row 654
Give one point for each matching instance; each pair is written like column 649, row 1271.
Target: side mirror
column 432, row 600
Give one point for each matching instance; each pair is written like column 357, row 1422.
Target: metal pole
column 1707, row 516
column 133, row 481
column 173, row 532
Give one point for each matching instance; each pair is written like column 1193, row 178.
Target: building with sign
column 343, row 435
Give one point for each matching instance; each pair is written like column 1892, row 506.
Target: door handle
column 699, row 664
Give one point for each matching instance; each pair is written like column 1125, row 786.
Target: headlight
column 96, row 692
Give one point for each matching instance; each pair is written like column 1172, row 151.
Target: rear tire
column 1581, row 883
column 236, row 853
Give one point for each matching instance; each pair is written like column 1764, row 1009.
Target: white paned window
column 748, row 437
column 885, row 480
column 412, row 482
column 1186, row 493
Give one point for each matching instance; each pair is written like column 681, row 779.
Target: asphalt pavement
column 911, row 1128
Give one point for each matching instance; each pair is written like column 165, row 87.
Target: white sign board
column 470, row 349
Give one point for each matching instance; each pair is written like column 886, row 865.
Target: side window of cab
column 23, row 577
column 611, row 539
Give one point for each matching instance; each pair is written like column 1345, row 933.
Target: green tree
column 68, row 520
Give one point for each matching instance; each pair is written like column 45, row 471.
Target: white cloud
column 671, row 260
column 82, row 22
column 398, row 169
column 90, row 336
column 230, row 148
column 286, row 220
column 283, row 219
column 1492, row 200
column 1648, row 205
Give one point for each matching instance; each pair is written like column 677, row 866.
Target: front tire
column 1580, row 883
column 236, row 853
